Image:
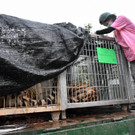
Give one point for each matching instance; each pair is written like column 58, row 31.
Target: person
column 124, row 32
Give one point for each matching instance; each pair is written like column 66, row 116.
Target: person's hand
column 95, row 32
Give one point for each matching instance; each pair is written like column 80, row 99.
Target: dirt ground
column 74, row 116
column 75, row 120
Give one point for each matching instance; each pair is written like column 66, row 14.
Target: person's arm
column 105, row 31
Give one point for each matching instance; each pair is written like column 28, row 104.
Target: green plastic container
column 116, row 126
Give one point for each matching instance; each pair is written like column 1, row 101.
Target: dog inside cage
column 42, row 94
column 88, row 80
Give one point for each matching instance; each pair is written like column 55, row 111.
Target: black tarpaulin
column 31, row 52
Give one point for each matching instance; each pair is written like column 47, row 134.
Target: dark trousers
column 133, row 69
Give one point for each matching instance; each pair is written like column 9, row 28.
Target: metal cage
column 84, row 84
column 90, row 83
column 42, row 97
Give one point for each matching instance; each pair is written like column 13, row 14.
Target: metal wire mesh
column 42, row 94
column 91, row 81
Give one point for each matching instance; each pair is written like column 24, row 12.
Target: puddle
column 10, row 128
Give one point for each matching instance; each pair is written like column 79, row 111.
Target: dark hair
column 112, row 16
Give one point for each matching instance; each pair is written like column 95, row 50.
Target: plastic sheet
column 31, row 52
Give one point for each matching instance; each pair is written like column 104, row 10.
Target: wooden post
column 63, row 90
column 55, row 116
column 40, row 91
column 63, row 93
column 63, row 115
column 125, row 108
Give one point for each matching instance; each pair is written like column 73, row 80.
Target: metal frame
column 123, row 80
column 112, row 82
column 132, row 86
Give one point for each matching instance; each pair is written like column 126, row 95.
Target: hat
column 103, row 17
